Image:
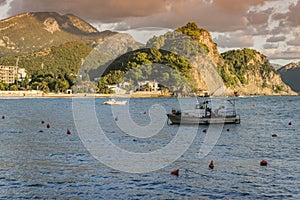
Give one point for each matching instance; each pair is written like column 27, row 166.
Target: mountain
column 53, row 47
column 290, row 75
column 49, row 45
column 252, row 74
column 243, row 72
column 29, row 32
column 240, row 72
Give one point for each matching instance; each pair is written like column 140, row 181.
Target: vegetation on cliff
column 54, row 69
column 174, row 50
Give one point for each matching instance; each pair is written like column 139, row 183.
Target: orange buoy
column 68, row 132
column 254, row 105
column 175, row 172
column 3, row 117
column 274, row 135
column 204, row 131
column 263, row 163
column 211, row 164
column 48, row 125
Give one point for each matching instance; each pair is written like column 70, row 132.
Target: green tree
column 14, row 87
column 3, row 86
column 61, row 85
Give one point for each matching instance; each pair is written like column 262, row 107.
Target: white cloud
column 4, row 8
column 289, row 53
column 295, row 40
column 234, row 40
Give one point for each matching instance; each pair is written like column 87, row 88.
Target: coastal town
column 14, row 75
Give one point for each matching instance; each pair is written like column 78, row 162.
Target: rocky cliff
column 250, row 73
column 243, row 72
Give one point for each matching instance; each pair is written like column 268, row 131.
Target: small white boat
column 115, row 102
column 204, row 115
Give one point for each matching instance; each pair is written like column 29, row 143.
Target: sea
column 138, row 149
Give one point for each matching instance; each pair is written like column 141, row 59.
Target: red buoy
column 145, row 113
column 211, row 164
column 204, row 131
column 48, row 125
column 263, row 163
column 68, row 132
column 175, row 172
column 274, row 135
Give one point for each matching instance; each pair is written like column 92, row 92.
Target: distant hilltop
column 290, row 75
column 31, row 32
column 53, row 47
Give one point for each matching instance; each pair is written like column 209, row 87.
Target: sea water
column 47, row 163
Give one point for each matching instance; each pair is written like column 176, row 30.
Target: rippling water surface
column 37, row 162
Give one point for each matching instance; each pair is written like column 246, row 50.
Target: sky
column 269, row 26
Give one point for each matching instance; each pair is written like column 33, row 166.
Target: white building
column 152, row 86
column 116, row 89
column 9, row 74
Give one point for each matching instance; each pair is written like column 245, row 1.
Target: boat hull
column 179, row 119
column 118, row 103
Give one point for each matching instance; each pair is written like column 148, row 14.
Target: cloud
column 293, row 15
column 287, row 54
column 103, row 10
column 270, row 46
column 234, row 40
column 275, row 39
column 215, row 15
column 296, row 40
column 259, row 17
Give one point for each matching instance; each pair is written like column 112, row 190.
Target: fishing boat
column 115, row 102
column 203, row 114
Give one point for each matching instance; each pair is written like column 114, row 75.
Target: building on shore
column 10, row 74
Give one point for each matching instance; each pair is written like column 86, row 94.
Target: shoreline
column 38, row 94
